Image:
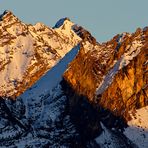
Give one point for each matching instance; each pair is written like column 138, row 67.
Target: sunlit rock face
column 59, row 87
column 113, row 74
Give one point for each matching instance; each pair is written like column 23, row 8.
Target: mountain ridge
column 42, row 51
column 60, row 82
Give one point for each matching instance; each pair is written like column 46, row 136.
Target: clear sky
column 103, row 18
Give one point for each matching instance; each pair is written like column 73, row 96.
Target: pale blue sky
column 103, row 18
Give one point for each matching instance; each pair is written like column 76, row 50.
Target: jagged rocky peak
column 6, row 13
column 62, row 21
column 8, row 18
column 66, row 24
column 11, row 26
column 115, row 71
column 84, row 34
column 64, row 28
column 29, row 51
column 40, row 26
column 102, row 84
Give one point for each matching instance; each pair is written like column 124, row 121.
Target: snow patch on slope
column 133, row 51
column 106, row 139
column 112, row 139
column 138, row 127
column 22, row 51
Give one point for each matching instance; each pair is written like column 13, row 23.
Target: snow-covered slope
column 69, row 90
column 45, row 85
column 111, row 139
column 38, row 111
column 27, row 51
column 52, row 77
column 138, row 127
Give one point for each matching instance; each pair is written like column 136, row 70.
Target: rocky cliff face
column 113, row 75
column 88, row 103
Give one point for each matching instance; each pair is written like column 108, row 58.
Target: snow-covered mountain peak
column 61, row 22
column 64, row 28
column 68, row 85
column 67, row 28
column 30, row 49
column 64, row 25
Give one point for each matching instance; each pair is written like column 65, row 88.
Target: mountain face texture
column 59, row 87
column 27, row 51
column 114, row 75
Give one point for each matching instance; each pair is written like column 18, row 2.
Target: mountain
column 61, row 88
column 29, row 51
column 116, row 70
